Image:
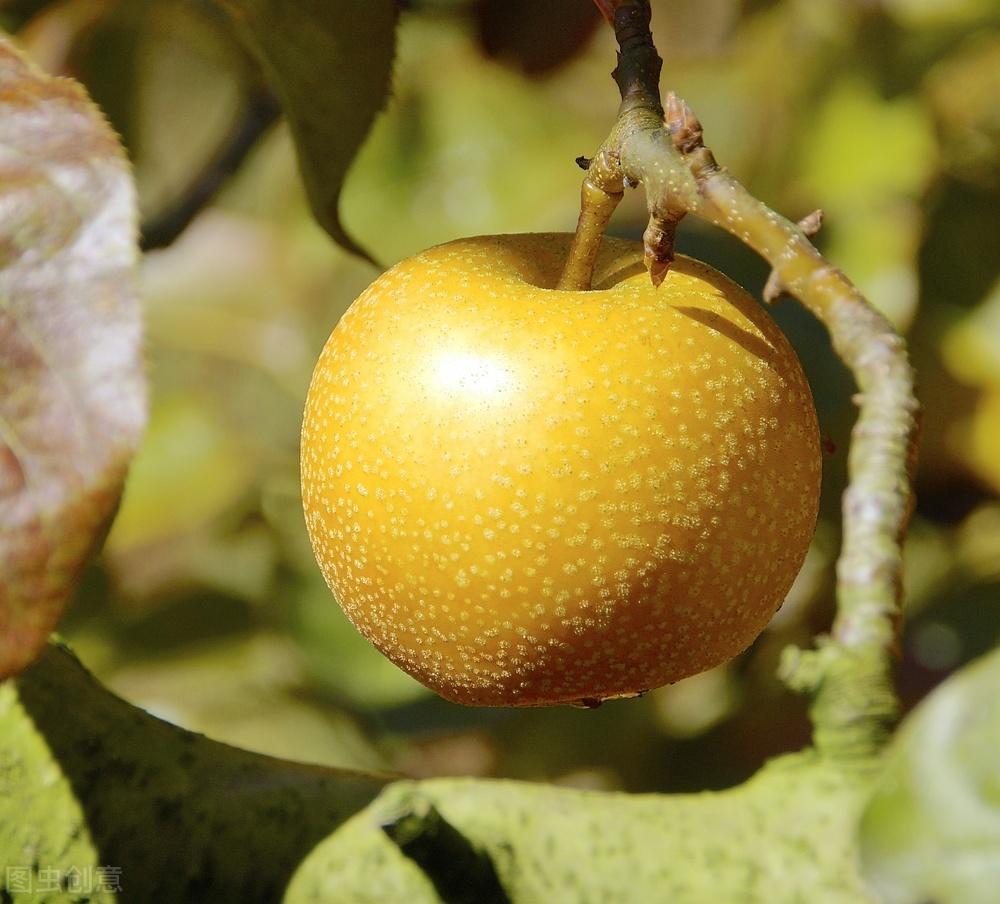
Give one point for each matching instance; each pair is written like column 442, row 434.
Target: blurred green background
column 206, row 607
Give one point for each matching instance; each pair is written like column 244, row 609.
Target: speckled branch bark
column 849, row 675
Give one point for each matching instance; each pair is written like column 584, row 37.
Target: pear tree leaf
column 330, row 65
column 72, row 388
column 787, row 835
column 89, row 781
column 931, row 831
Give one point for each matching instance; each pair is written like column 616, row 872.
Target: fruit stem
column 596, row 207
column 849, row 674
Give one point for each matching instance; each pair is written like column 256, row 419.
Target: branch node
column 774, row 288
column 658, row 244
column 684, row 127
column 801, row 670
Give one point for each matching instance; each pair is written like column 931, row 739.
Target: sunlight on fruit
column 471, row 374
column 525, row 496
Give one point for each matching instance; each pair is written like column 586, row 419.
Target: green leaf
column 932, row 829
column 87, row 780
column 873, row 225
column 330, row 64
column 784, row 837
column 343, row 661
column 72, row 388
column 188, row 471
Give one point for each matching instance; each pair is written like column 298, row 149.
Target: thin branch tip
column 811, row 223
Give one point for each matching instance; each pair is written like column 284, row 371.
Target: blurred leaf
column 971, row 351
column 963, row 91
column 72, row 392
column 449, row 158
column 843, row 169
column 343, row 661
column 50, row 36
column 979, row 542
column 256, row 700
column 16, row 12
column 182, row 96
column 871, row 194
column 232, row 289
column 689, row 708
column 937, row 13
column 190, row 79
column 979, row 440
column 240, row 563
column 535, row 37
column 104, row 54
column 330, row 64
column 188, row 471
column 971, row 348
column 932, row 829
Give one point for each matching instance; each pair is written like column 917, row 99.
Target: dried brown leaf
column 72, row 390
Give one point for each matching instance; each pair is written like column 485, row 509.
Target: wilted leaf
column 330, row 64
column 72, row 396
column 932, row 829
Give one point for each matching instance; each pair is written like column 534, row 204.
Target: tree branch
column 849, row 674
column 260, row 111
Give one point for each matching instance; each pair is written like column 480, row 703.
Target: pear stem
column 849, row 673
column 596, row 207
